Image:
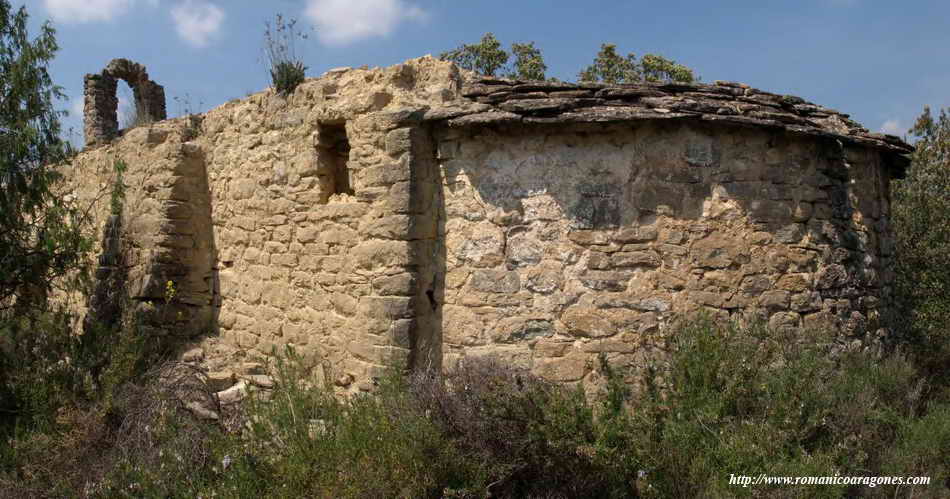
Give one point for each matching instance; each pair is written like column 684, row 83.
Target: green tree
column 40, row 237
column 611, row 67
column 485, row 57
column 529, row 64
column 921, row 215
column 656, row 68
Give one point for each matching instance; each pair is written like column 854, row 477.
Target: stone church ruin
column 414, row 215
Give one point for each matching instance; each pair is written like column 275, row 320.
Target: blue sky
column 881, row 60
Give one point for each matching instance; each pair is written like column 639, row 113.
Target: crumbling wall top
column 127, row 70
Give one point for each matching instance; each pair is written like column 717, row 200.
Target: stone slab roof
column 497, row 101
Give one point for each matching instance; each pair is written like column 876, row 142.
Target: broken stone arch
column 100, row 116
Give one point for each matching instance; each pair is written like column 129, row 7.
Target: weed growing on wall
column 286, row 69
column 117, row 196
column 189, row 110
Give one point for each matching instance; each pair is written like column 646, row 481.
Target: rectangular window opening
column 333, row 152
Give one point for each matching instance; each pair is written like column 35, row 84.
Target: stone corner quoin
column 417, row 214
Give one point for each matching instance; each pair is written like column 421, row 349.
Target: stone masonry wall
column 565, row 242
column 405, row 216
column 315, row 208
column 165, row 228
column 336, row 274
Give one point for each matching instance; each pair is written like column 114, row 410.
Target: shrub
column 286, row 75
column 734, row 400
column 725, row 400
column 71, row 392
column 486, row 429
column 921, row 212
column 286, row 70
column 160, row 447
column 920, row 449
column 316, row 445
column 522, row 436
column 39, row 372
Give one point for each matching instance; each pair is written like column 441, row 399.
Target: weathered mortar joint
column 100, row 114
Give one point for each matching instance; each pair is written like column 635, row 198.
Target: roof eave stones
column 493, row 101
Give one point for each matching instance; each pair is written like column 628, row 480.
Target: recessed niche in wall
column 333, row 152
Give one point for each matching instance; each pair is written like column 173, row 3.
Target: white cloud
column 893, row 127
column 197, row 21
column 339, row 22
column 83, row 11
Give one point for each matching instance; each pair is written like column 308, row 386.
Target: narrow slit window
column 333, row 153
